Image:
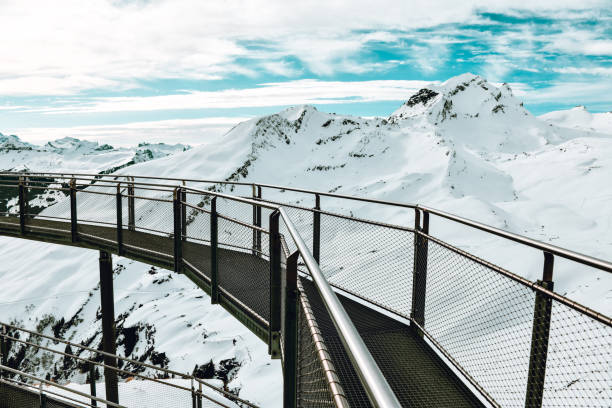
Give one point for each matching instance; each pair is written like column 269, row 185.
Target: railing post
column 3, row 349
column 199, row 394
column 214, row 246
column 275, row 286
column 419, row 277
column 184, row 212
column 22, row 205
column 193, row 395
column 73, row 211
column 92, row 383
column 290, row 342
column 108, row 325
column 178, row 231
column 316, row 229
column 539, row 337
column 43, row 397
column 131, row 207
column 256, row 221
column 119, row 222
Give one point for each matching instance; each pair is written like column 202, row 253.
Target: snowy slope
column 580, row 118
column 465, row 146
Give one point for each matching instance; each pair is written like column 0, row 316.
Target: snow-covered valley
column 467, row 146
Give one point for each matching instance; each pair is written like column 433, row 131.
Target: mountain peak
column 465, row 96
column 295, row 112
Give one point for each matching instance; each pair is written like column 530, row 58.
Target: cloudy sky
column 121, row 71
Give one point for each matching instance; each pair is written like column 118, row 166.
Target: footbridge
column 361, row 312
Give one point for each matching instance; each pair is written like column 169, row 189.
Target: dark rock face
column 423, row 96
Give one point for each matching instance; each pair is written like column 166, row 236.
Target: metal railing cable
column 373, row 380
column 136, row 363
column 61, row 387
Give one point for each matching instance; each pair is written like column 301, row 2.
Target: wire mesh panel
column 13, row 396
column 154, row 212
column 97, row 205
column 579, row 360
column 371, row 261
column 312, row 385
column 483, row 319
column 198, row 224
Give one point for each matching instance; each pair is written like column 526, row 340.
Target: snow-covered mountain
column 466, row 146
column 580, row 118
column 73, row 155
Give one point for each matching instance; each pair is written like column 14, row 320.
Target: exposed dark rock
column 421, row 97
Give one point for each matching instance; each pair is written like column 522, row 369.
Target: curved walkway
column 416, row 373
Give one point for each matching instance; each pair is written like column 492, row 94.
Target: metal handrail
column 371, row 377
column 126, row 359
column 555, row 250
column 376, row 386
column 61, row 387
column 565, row 253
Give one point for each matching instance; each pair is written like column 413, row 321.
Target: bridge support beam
column 131, row 207
column 73, row 211
column 539, row 337
column 256, row 222
column 290, row 333
column 178, row 230
column 183, row 197
column 276, row 264
column 108, row 325
column 214, row 246
column 419, row 279
column 23, row 204
column 119, row 222
column 316, row 229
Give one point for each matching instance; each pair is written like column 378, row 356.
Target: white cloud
column 567, row 92
column 580, row 42
column 306, row 91
column 68, row 46
column 604, row 71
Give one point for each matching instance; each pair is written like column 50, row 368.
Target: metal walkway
column 414, row 371
column 363, row 314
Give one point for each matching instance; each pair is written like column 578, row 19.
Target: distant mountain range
column 72, row 155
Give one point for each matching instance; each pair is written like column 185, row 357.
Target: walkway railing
column 60, row 373
column 512, row 341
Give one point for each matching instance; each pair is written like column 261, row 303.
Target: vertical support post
column 256, row 221
column 73, row 211
column 539, row 337
column 131, row 207
column 214, row 246
column 22, row 205
column 3, row 349
column 119, row 222
column 108, row 326
column 290, row 342
column 92, row 384
column 275, row 286
column 178, row 231
column 419, row 278
column 43, row 396
column 193, row 395
column 316, row 229
column 199, row 394
column 184, row 212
